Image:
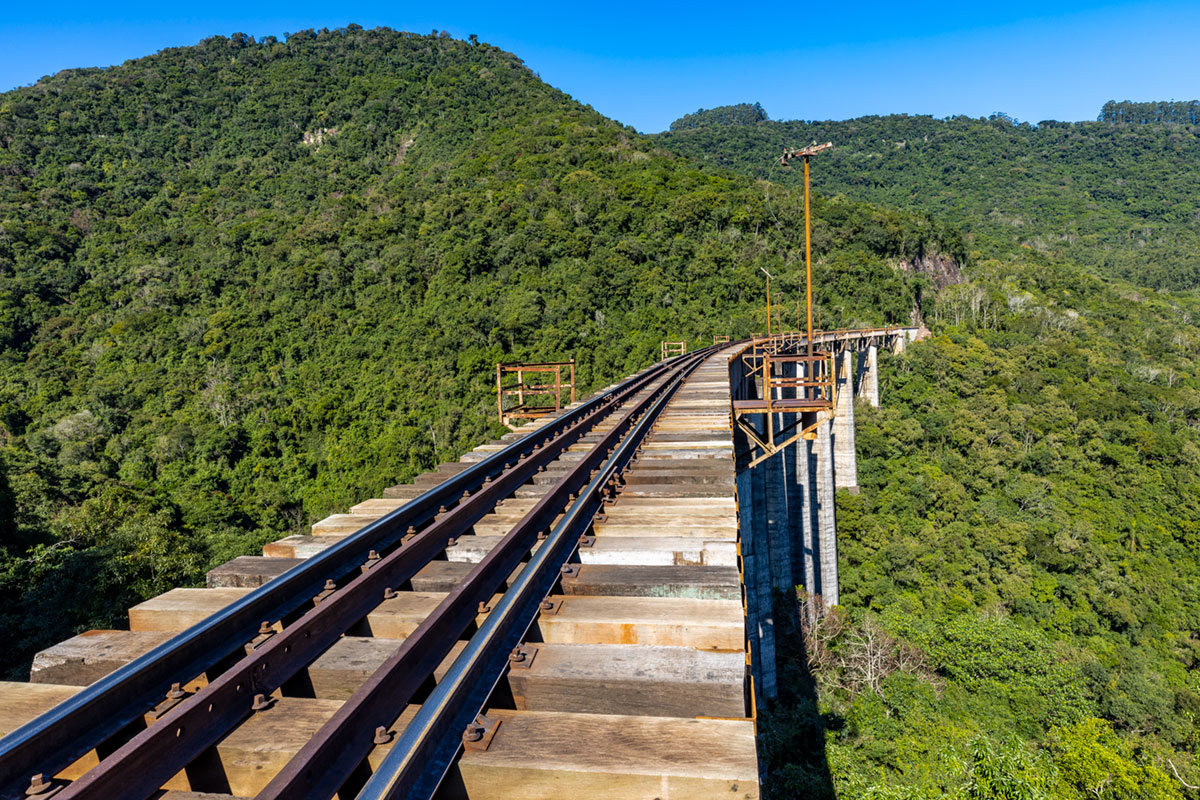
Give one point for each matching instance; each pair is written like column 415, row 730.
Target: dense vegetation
column 1117, row 198
column 741, row 114
column 1020, row 585
column 1186, row 113
column 248, row 283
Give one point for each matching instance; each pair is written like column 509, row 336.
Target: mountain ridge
column 248, row 283
column 1114, row 197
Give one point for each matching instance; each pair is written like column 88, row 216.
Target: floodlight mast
column 805, row 152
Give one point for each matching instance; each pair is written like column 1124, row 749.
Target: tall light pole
column 805, row 153
column 769, row 276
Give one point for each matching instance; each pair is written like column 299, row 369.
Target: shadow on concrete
column 792, row 731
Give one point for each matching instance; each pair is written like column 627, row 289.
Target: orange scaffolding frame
column 533, row 398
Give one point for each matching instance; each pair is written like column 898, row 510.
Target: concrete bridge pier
column 868, row 375
column 845, row 472
column 788, row 527
column 826, row 583
column 757, row 504
column 804, row 526
column 786, row 501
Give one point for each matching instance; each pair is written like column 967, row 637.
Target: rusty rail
column 330, row 757
column 315, row 603
column 96, row 714
column 418, row 761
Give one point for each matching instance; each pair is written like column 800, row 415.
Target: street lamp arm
column 811, row 150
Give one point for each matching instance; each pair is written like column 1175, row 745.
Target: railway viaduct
column 581, row 608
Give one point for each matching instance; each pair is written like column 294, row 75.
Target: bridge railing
column 538, row 389
column 799, row 381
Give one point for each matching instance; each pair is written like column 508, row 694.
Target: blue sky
column 646, row 64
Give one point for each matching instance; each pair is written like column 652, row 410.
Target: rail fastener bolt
column 478, row 735
column 330, row 588
column 372, row 560
column 41, row 785
column 382, row 735
column 265, row 632
column 522, row 656
column 175, row 695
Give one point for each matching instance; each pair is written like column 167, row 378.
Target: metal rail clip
column 478, row 735
column 522, row 656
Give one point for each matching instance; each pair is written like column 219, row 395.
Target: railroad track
column 559, row 614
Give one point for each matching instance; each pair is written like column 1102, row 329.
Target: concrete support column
column 753, row 522
column 827, row 580
column 806, row 485
column 845, row 468
column 779, row 524
column 868, row 375
column 779, row 470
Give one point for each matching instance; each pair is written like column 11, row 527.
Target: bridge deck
column 634, row 683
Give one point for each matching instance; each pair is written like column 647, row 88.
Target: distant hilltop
column 740, row 114
column 1185, row 112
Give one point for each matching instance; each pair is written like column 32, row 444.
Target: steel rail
column 322, row 767
column 425, row 749
column 152, row 757
column 58, row 737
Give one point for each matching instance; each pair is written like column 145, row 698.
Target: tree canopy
column 740, row 114
column 1116, row 198
column 250, row 283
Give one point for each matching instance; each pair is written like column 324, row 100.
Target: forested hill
column 248, row 283
column 1021, row 572
column 1119, row 198
column 1172, row 111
